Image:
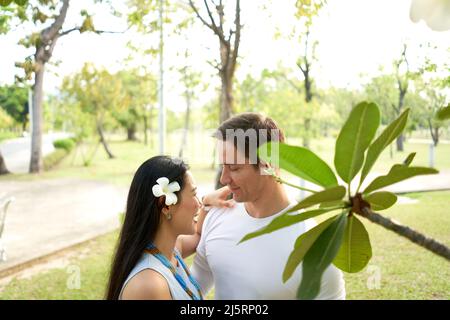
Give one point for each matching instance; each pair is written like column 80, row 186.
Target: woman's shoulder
column 148, row 284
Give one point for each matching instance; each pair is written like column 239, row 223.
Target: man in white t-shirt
column 254, row 268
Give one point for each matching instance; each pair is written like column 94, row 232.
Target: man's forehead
column 228, row 154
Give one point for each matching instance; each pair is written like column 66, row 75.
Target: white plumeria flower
column 164, row 188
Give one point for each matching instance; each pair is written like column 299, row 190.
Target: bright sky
column 355, row 37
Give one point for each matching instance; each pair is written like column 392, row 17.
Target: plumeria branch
column 404, row 231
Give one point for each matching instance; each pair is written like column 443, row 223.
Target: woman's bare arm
column 187, row 244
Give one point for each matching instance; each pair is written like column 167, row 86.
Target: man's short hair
column 249, row 131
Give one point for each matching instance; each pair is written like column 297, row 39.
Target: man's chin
column 238, row 198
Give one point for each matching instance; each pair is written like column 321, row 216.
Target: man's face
column 243, row 178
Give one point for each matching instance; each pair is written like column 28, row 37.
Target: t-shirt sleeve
column 332, row 285
column 200, row 268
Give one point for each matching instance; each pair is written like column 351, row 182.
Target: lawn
column 398, row 270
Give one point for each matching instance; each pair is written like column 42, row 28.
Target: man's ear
column 263, row 164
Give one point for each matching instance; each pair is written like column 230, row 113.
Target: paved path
column 16, row 152
column 49, row 215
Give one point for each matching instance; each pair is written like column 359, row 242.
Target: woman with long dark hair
column 158, row 231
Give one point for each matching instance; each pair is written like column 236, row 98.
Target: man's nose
column 224, row 177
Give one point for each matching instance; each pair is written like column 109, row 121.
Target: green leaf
column 283, row 221
column 381, row 200
column 302, row 245
column 4, row 3
column 355, row 251
column 354, row 138
column 443, row 113
column 398, row 173
column 409, row 159
column 319, row 257
column 332, row 204
column 298, row 161
column 392, row 131
column 327, row 195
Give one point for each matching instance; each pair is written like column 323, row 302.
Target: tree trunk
column 131, row 132
column 307, row 127
column 36, row 162
column 229, row 52
column 226, row 107
column 186, row 124
column 434, row 132
column 148, row 125
column 24, row 126
column 103, row 141
column 145, row 129
column 3, row 169
column 401, row 101
column 226, row 98
column 399, row 142
column 308, row 94
column 436, row 135
column 44, row 50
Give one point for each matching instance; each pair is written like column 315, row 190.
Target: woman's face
column 187, row 207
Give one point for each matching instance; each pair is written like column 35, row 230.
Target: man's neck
column 272, row 200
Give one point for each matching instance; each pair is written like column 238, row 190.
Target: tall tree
column 436, row 99
column 305, row 12
column 14, row 100
column 3, row 169
column 228, row 47
column 47, row 21
column 403, row 79
column 382, row 89
column 5, row 122
column 99, row 94
column 191, row 81
column 140, row 93
column 229, row 42
column 7, row 13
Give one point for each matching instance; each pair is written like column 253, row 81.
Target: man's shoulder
column 217, row 215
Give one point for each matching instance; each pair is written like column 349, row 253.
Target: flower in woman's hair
column 164, row 188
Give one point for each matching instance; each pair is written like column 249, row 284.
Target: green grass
column 406, row 270
column 5, row 135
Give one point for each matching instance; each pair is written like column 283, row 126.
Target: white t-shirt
column 254, row 268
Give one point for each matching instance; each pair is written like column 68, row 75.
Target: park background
column 303, row 63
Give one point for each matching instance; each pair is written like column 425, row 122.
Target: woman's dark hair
column 142, row 217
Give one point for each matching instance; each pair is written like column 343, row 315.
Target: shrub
column 54, row 158
column 66, row 144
